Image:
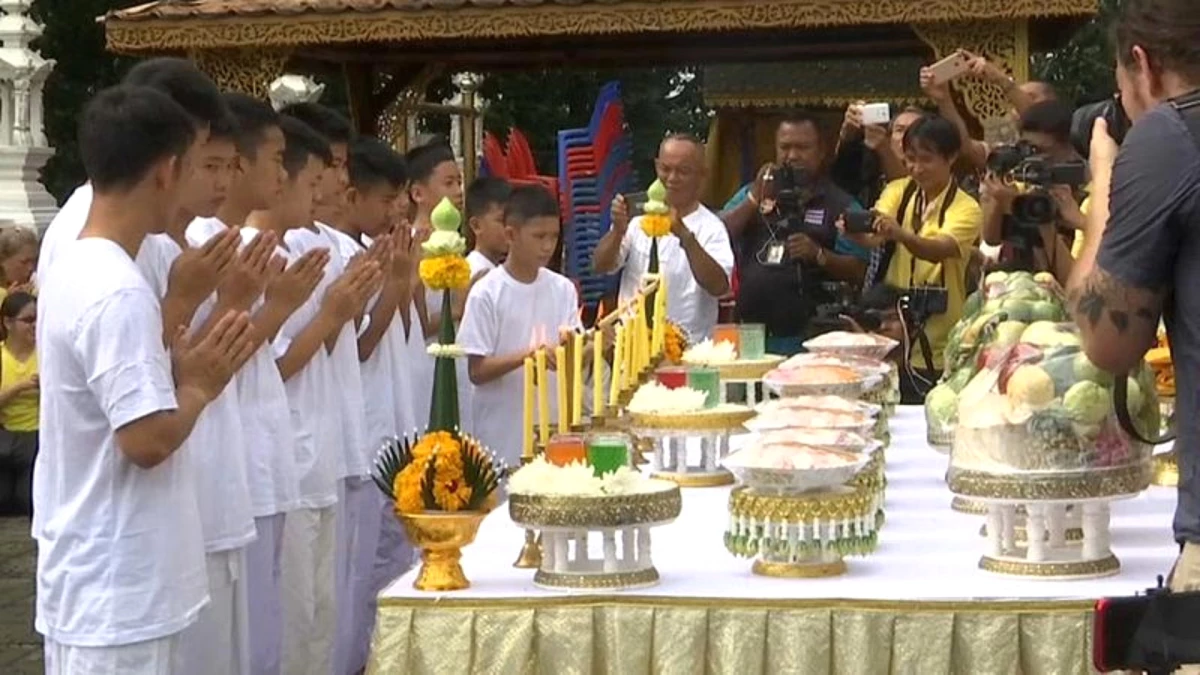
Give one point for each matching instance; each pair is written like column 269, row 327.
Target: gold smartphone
column 950, row 67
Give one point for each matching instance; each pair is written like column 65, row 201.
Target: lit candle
column 527, row 417
column 614, row 384
column 597, row 372
column 561, row 366
column 543, row 391
column 577, row 379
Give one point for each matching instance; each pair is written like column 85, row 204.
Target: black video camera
column 1084, row 120
column 793, row 190
column 1156, row 632
column 1021, row 162
column 922, row 302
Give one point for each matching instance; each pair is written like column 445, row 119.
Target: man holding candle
column 519, row 299
column 696, row 258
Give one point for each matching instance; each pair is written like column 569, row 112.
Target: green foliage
column 76, row 42
column 1082, row 69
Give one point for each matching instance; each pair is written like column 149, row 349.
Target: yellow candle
column 527, row 417
column 561, row 366
column 543, row 390
column 577, row 380
column 614, row 384
column 597, row 372
column 660, row 316
column 630, row 353
column 643, row 347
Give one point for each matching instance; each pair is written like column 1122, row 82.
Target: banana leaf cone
column 443, row 409
column 652, row 268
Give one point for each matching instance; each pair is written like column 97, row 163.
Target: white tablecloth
column 926, row 551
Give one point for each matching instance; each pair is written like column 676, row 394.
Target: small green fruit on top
column 445, row 216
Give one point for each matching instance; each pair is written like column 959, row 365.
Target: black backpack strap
column 1121, row 408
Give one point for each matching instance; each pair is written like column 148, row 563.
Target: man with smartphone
column 786, row 240
column 1141, row 256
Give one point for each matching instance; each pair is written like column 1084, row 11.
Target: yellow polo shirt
column 1077, row 245
column 962, row 222
column 21, row 413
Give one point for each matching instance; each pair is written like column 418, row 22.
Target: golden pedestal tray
column 672, row 433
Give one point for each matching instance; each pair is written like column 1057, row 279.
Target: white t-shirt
column 688, row 304
column 120, row 550
column 479, row 263
column 216, row 450
column 64, row 228
column 359, row 402
column 505, row 316
column 263, row 411
column 402, row 358
column 316, row 419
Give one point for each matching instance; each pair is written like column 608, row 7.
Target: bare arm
column 306, row 343
column 484, row 369
column 932, row 249
column 607, row 256
column 380, row 319
column 149, row 441
column 708, row 272
column 739, row 217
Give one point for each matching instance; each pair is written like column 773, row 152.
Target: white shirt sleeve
column 477, row 333
column 119, row 344
column 570, row 306
column 714, row 239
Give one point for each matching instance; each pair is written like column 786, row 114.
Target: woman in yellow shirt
column 925, row 230
column 18, row 402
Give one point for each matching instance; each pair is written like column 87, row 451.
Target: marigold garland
column 654, row 225
column 445, row 272
column 674, row 343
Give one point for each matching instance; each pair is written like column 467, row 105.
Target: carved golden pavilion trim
column 813, row 101
column 229, row 30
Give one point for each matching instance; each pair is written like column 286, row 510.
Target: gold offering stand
column 802, row 535
column 628, row 360
column 1166, row 464
column 596, row 543
column 671, row 434
column 1046, row 552
column 748, row 372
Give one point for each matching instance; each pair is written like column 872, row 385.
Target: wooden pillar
column 1003, row 42
column 249, row 71
column 360, row 80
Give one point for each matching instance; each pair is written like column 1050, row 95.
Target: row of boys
column 231, row 323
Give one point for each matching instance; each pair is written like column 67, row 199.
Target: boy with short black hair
column 180, row 80
column 519, row 303
column 118, row 409
column 263, row 410
column 485, row 200
column 338, row 133
column 310, row 533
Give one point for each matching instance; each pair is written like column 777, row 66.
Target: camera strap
column 918, row 220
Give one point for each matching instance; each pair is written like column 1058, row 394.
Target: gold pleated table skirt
column 625, row 635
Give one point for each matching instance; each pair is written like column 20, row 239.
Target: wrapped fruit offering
column 998, row 314
column 1041, row 405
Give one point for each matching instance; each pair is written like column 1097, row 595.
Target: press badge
column 775, row 253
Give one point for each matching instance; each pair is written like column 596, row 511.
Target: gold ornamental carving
column 247, row 71
column 1003, row 42
column 208, row 24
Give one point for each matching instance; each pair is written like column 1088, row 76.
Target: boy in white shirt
column 510, row 312
column 303, row 362
column 263, row 406
column 377, row 175
column 120, row 549
column 485, row 199
column 433, row 174
column 180, row 80
column 346, row 393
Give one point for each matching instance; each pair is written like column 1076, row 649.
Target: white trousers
column 152, row 657
column 217, row 643
column 264, row 557
column 357, row 552
column 309, row 613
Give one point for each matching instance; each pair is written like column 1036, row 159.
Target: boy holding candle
column 518, row 300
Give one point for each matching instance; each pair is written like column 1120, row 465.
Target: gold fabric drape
column 624, row 635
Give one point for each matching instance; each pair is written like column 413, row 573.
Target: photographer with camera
column 925, row 229
column 787, row 242
column 1141, row 257
column 1032, row 194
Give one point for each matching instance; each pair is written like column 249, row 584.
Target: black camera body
column 1021, row 162
column 793, row 189
column 1084, row 120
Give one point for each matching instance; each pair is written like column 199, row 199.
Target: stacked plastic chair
column 513, row 162
column 593, row 167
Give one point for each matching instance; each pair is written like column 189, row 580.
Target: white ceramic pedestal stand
column 1046, row 553
column 596, row 543
column 691, row 459
column 1069, row 515
column 751, row 387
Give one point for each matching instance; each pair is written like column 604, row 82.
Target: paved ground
column 20, row 646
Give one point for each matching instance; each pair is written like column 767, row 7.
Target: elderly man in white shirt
column 696, row 258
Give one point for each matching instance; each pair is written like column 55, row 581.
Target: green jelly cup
column 708, row 381
column 752, row 341
column 607, row 453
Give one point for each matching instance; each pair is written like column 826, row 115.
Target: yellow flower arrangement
column 445, row 272
column 655, row 225
column 674, row 343
column 441, row 471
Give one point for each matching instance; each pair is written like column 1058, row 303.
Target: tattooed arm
column 1117, row 287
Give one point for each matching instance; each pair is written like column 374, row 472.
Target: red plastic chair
column 493, row 153
column 520, row 155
